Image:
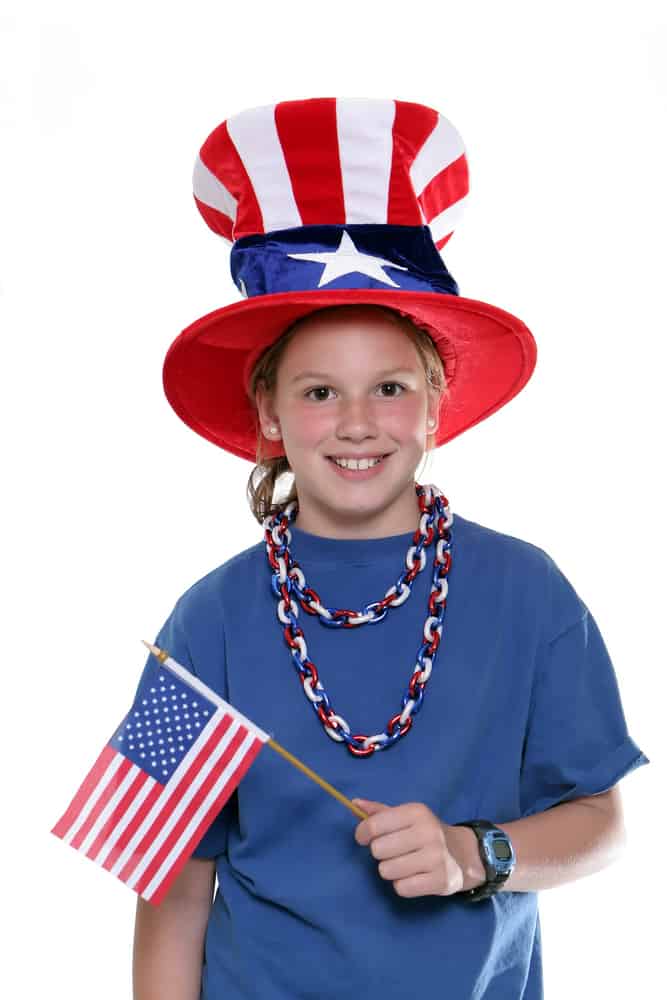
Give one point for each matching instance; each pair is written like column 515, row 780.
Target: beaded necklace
column 288, row 579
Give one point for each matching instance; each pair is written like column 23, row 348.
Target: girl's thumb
column 368, row 805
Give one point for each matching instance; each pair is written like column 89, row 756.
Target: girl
column 448, row 677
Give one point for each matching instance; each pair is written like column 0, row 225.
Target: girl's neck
column 385, row 521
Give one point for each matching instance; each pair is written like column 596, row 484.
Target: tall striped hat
column 333, row 201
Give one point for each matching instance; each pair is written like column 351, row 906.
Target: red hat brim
column 488, row 355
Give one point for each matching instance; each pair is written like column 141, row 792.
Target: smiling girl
column 446, row 672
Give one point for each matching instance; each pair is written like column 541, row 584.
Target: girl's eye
column 396, row 384
column 326, row 389
column 318, row 388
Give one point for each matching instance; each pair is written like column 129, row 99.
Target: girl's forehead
column 351, row 339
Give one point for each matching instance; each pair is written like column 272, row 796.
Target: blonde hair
column 265, row 475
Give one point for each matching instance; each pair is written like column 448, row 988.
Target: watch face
column 499, row 851
column 502, row 850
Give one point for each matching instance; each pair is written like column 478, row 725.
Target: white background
column 113, row 507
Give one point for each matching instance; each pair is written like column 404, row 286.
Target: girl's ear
column 267, row 416
column 433, row 412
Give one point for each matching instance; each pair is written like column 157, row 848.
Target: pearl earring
column 431, row 422
column 273, row 429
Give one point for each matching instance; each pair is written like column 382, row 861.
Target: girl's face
column 352, row 386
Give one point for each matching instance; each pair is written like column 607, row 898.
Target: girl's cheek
column 309, row 424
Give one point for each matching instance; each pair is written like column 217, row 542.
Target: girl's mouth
column 352, row 468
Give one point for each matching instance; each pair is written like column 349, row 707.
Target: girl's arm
column 169, row 938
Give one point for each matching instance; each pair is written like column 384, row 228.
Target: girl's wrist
column 462, row 843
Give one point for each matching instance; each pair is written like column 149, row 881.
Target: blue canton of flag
column 162, row 724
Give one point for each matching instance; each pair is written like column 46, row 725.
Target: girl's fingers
column 392, row 845
column 427, row 885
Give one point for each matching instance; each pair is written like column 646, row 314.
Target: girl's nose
column 357, row 420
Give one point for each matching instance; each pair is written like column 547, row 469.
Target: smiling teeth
column 359, row 464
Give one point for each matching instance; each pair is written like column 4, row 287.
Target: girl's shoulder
column 483, row 540
column 228, row 573
column 523, row 566
column 207, row 593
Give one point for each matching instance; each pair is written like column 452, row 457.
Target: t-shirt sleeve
column 178, row 638
column 577, row 741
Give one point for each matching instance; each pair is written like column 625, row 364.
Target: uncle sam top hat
column 333, row 201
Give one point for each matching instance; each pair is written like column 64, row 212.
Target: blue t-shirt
column 522, row 711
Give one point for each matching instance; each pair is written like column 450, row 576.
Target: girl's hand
column 419, row 853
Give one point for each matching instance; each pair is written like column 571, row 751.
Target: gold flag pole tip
column 161, row 654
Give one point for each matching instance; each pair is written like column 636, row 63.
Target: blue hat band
column 351, row 256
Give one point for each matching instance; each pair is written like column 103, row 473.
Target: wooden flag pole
column 162, row 655
column 320, row 781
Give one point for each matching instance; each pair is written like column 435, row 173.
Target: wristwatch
column 498, row 858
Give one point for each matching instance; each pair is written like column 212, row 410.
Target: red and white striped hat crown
column 334, row 161
column 334, row 201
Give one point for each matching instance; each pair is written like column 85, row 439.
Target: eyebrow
column 325, row 377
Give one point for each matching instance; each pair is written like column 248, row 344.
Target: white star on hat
column 347, row 259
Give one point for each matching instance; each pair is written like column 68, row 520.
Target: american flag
column 159, row 782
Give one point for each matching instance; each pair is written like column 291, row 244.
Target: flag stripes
column 143, row 830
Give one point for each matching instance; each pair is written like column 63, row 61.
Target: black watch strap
column 494, row 878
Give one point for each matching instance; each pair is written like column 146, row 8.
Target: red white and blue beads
column 288, row 580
